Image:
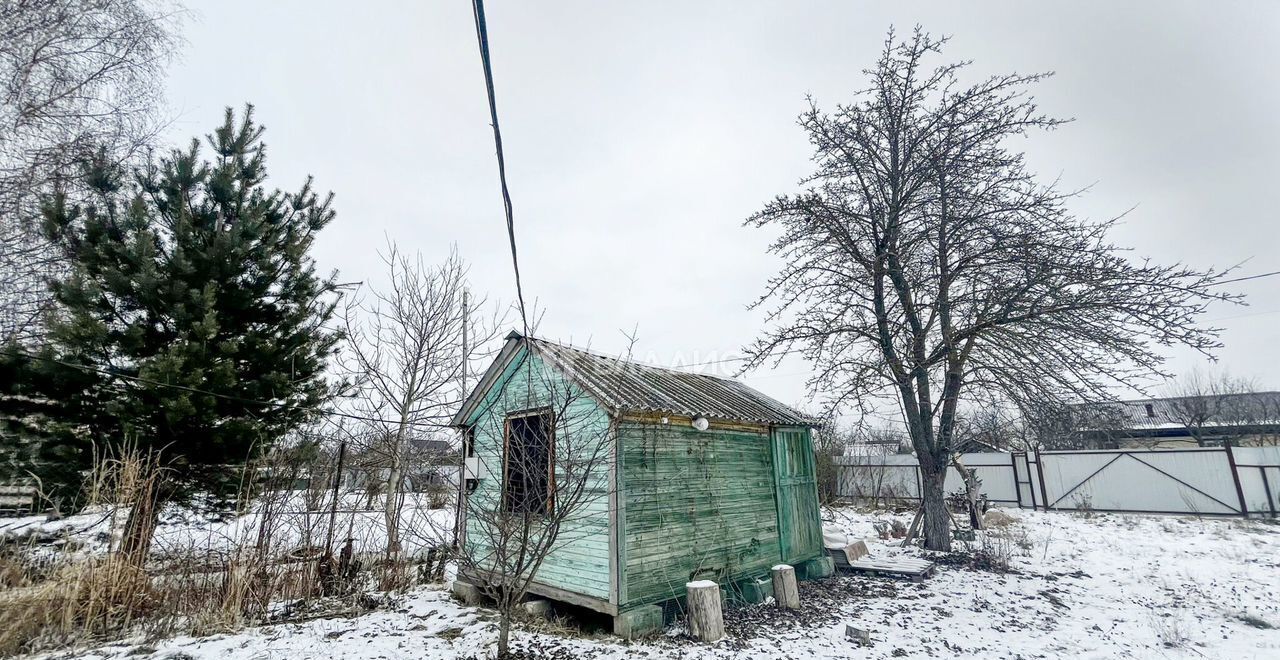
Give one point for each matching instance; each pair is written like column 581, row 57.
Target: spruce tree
column 192, row 323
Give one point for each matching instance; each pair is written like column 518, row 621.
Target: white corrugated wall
column 1182, row 481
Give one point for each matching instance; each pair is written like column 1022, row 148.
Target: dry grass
column 997, row 547
column 1170, row 628
column 84, row 599
column 65, row 596
column 13, row 573
column 71, row 596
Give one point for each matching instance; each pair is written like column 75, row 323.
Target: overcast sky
column 640, row 135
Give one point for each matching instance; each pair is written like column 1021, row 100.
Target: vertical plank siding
column 580, row 561
column 696, row 504
column 798, row 514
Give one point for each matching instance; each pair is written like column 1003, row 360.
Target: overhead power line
column 1249, row 277
column 228, row 397
column 482, row 36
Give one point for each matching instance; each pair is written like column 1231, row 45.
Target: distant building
column 429, row 446
column 1211, row 420
column 17, row 499
column 885, row 443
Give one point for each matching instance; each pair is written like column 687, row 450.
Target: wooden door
column 799, row 521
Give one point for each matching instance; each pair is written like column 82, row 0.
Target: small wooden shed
column 705, row 478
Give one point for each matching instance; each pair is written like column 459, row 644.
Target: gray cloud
column 640, row 135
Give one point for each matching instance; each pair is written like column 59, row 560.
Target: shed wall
column 580, row 561
column 697, row 504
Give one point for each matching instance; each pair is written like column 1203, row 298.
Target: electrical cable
column 482, row 37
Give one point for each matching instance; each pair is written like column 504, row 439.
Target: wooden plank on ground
column 905, row 567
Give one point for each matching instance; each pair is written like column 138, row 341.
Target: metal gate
column 1198, row 481
column 1024, row 480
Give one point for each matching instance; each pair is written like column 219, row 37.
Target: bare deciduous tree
column 77, row 78
column 830, row 443
column 924, row 263
column 406, row 354
column 1219, row 408
column 871, row 478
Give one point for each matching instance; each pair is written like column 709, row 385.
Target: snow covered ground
column 293, row 524
column 1107, row 586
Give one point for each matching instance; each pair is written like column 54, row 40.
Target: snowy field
column 1107, row 586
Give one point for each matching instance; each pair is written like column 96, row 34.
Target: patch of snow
column 1106, row 586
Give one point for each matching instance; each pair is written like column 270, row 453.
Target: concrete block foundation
column 467, row 593
column 815, row 569
column 757, row 590
column 638, row 622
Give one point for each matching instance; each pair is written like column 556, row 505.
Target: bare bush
column 998, row 546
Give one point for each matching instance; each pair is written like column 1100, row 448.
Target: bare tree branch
column 78, row 78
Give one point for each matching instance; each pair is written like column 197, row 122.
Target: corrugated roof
column 1245, row 408
column 635, row 387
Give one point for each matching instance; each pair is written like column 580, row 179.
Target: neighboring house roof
column 631, row 386
column 430, row 445
column 1209, row 410
column 977, row 445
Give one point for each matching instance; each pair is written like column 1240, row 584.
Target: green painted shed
column 700, row 478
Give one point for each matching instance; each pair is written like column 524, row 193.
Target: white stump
column 784, row 587
column 706, row 621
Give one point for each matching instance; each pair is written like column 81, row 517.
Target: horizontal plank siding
column 698, row 504
column 579, row 563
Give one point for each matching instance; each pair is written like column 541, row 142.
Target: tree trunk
column 504, row 633
column 392, row 510
column 937, row 522
column 396, row 473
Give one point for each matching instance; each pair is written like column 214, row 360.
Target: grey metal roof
column 634, row 387
column 1235, row 409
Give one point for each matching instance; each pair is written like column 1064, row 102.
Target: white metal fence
column 1239, row 481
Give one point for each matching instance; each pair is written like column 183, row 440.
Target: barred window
column 528, row 462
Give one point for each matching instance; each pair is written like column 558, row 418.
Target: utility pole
column 459, row 511
column 333, row 507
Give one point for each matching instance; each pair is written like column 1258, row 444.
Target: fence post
column 1017, row 487
column 1235, row 476
column 333, row 509
column 1266, row 485
column 1044, row 494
